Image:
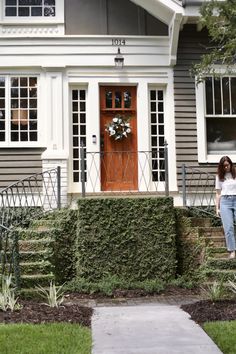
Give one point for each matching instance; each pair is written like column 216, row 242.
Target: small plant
column 215, row 291
column 232, row 285
column 8, row 301
column 54, row 295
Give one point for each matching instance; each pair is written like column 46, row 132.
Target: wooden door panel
column 119, row 157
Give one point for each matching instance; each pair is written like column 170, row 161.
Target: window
column 78, row 130
column 220, row 114
column 30, row 8
column 157, row 134
column 18, row 122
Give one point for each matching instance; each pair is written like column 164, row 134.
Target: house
column 68, row 68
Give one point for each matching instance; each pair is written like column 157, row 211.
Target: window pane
column 23, row 117
column 10, row 11
column 23, row 11
column 109, row 99
column 221, row 135
column 127, row 99
column 153, row 95
column 10, row 2
column 233, row 95
column 49, row 11
column 118, row 99
column 209, row 95
column 225, row 89
column 217, row 90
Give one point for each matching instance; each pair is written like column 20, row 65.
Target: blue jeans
column 228, row 216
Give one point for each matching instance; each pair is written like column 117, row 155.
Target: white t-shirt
column 228, row 186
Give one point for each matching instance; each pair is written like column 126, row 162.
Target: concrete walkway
column 150, row 328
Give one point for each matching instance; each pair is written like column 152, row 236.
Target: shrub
column 130, row 238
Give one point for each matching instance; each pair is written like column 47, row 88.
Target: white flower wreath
column 119, row 127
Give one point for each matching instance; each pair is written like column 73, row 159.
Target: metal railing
column 198, row 189
column 20, row 203
column 124, row 172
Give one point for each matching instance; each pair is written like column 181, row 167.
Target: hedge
column 131, row 238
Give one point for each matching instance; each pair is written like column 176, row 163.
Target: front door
column 119, row 170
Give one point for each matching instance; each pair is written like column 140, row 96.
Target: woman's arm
column 218, row 194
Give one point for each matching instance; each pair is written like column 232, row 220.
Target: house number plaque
column 118, row 41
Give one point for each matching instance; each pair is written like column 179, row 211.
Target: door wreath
column 119, row 127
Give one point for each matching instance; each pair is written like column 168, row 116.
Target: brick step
column 200, row 222
column 217, row 252
column 220, row 274
column 34, row 234
column 221, row 263
column 35, row 245
column 216, row 241
column 42, row 224
column 211, row 231
column 35, row 256
column 43, row 267
column 33, row 280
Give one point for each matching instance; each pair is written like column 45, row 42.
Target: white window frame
column 8, row 142
column 58, row 18
column 203, row 156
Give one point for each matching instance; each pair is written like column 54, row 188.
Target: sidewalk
column 157, row 327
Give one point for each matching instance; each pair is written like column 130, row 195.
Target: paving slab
column 148, row 329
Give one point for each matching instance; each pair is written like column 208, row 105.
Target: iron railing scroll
column 20, row 203
column 198, row 189
column 151, row 169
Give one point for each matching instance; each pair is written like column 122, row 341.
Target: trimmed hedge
column 131, row 238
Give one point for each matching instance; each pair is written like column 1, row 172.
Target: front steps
column 217, row 266
column 35, row 255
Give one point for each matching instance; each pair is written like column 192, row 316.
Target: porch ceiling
column 164, row 10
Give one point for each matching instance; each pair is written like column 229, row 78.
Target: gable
column 110, row 17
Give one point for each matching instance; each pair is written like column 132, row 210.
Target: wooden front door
column 118, row 157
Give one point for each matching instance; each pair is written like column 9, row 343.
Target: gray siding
column 192, row 44
column 112, row 17
column 18, row 163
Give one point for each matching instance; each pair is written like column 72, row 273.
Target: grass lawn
column 56, row 338
column 223, row 334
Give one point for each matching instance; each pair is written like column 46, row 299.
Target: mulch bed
column 206, row 310
column 35, row 313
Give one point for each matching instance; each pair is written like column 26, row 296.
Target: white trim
column 143, row 79
column 203, row 156
column 20, row 144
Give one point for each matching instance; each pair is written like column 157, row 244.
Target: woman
column 226, row 200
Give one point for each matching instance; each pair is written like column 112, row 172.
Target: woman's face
column 227, row 166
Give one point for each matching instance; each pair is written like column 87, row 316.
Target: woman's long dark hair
column 221, row 169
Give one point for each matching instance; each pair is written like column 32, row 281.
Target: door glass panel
column 127, row 99
column 78, row 130
column 108, row 99
column 118, row 99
